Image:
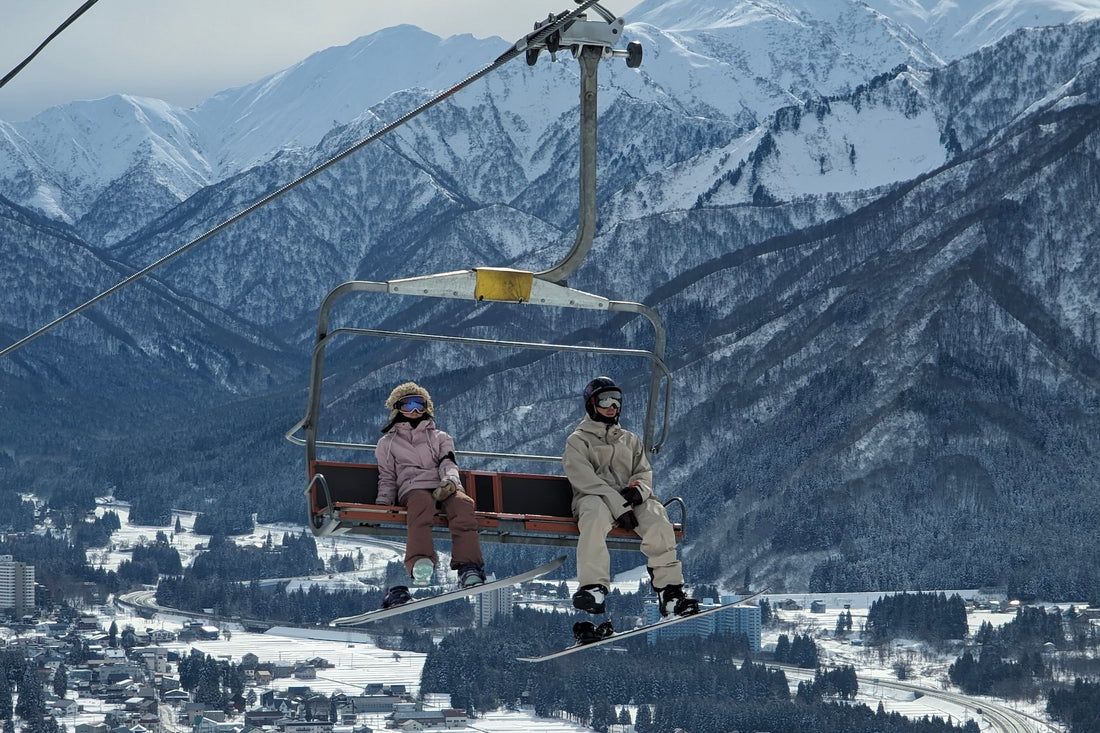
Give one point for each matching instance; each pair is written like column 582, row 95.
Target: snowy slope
column 734, row 62
column 62, row 160
column 955, row 28
column 296, row 107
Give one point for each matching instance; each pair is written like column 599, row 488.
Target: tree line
column 923, row 616
column 705, row 685
column 20, row 684
column 1078, row 707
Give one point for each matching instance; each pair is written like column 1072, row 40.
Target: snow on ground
column 375, row 553
column 522, row 722
column 356, row 662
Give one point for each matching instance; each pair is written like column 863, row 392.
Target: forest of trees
column 216, row 682
column 990, row 674
column 802, row 652
column 923, row 616
column 22, row 694
column 1007, row 660
column 1077, row 707
column 226, row 577
column 148, row 562
column 59, row 565
column 709, row 685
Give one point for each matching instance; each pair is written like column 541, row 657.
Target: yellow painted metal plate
column 503, row 284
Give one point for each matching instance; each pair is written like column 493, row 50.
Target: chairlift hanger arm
column 590, row 42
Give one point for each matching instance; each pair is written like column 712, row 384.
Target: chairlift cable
column 541, row 34
column 80, row 11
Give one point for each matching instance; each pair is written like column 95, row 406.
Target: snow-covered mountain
column 737, row 63
column 80, row 157
column 957, row 28
column 878, row 271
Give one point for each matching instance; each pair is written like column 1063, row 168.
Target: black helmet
column 594, row 389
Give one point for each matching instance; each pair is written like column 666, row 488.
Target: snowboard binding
column 672, row 601
column 585, row 632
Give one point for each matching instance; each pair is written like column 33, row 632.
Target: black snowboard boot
column 396, row 596
column 671, row 600
column 590, row 598
column 585, row 632
column 470, row 574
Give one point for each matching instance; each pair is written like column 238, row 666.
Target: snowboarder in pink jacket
column 417, row 470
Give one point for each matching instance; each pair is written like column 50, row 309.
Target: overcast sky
column 184, row 51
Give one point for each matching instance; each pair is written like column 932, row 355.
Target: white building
column 16, row 587
column 492, row 604
column 734, row 620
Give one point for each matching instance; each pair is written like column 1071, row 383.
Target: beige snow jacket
column 601, row 458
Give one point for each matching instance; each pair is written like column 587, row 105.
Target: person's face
column 609, row 403
column 611, row 411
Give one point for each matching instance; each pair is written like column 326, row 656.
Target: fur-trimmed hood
column 404, row 390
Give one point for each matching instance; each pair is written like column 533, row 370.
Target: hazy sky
column 184, row 51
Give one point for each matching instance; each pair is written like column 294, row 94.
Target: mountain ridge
column 878, row 384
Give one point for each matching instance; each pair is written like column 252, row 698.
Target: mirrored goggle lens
column 412, row 404
column 607, row 399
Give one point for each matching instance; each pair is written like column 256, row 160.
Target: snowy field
column 357, row 662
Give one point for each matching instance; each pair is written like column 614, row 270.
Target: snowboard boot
column 585, row 632
column 396, row 596
column 470, row 574
column 422, row 571
column 672, row 601
column 590, row 598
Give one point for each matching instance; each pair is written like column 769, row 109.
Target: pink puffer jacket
column 413, row 458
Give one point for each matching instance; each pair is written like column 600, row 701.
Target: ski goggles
column 412, row 404
column 609, row 398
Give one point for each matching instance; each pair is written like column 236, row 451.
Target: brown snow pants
column 459, row 507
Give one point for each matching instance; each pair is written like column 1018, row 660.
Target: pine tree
column 61, row 681
column 782, row 648
column 6, row 700
column 129, row 638
column 32, row 703
column 603, row 715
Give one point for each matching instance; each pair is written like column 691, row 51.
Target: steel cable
column 79, row 12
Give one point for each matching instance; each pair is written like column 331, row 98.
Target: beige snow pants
column 594, row 520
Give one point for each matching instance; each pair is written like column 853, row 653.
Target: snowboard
column 667, row 621
column 418, row 603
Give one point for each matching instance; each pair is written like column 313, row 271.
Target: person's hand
column 446, row 490
column 632, row 495
column 627, row 520
column 383, row 502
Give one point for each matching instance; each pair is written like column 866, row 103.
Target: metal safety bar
column 459, row 285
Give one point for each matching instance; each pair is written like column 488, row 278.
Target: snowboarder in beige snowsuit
column 613, row 487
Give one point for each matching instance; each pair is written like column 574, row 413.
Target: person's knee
column 463, row 523
column 594, row 514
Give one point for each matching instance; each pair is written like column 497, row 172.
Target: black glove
column 627, row 520
column 632, row 495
